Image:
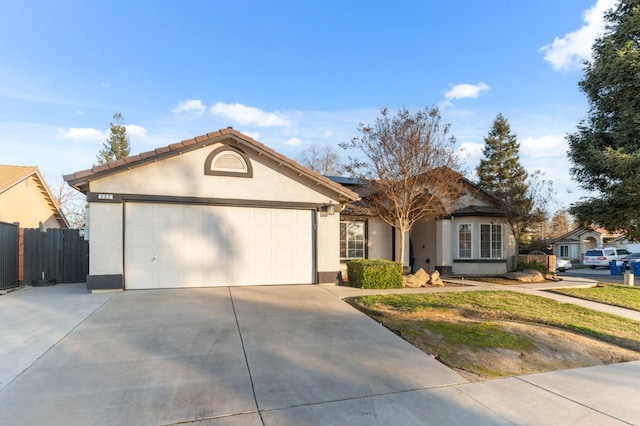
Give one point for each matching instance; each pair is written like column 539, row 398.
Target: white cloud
column 293, row 142
column 79, row 112
column 194, row 106
column 81, row 134
column 471, row 152
column 548, row 146
column 569, row 52
column 462, row 91
column 105, row 85
column 135, row 130
column 253, row 135
column 249, row 116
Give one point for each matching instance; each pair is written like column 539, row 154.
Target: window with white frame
column 491, row 241
column 564, row 251
column 352, row 239
column 464, row 241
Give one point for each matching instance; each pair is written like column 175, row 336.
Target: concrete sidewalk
column 268, row 355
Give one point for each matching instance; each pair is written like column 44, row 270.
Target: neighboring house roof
column 572, row 236
column 11, row 176
column 80, row 180
column 576, row 235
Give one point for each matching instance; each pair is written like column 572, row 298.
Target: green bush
column 369, row 273
column 534, row 264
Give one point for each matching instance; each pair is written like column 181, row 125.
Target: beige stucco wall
column 379, row 239
column 424, row 242
column 106, row 243
column 328, row 243
column 25, row 203
column 183, row 176
column 508, row 247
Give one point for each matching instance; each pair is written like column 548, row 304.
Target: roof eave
column 81, row 180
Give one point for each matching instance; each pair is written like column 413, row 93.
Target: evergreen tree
column 117, row 145
column 605, row 150
column 524, row 197
column 500, row 170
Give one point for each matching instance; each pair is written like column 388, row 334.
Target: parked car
column 631, row 258
column 602, row 256
column 563, row 265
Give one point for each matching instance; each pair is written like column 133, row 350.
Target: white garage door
column 174, row 245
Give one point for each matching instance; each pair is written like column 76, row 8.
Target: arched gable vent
column 227, row 161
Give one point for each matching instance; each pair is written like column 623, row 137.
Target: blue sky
column 289, row 73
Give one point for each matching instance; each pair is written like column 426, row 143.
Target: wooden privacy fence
column 61, row 254
column 9, row 270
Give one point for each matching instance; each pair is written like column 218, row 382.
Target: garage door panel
column 141, row 236
column 141, row 277
column 205, row 246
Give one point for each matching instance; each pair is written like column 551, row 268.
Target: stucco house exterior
column 575, row 243
column 26, row 199
column 220, row 209
column 473, row 240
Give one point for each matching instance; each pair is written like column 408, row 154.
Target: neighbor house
column 474, row 239
column 220, row 209
column 26, row 199
column 574, row 244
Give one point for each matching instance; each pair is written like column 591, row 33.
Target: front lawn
column 489, row 334
column 616, row 295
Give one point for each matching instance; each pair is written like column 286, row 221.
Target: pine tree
column 524, row 197
column 605, row 150
column 117, row 145
column 500, row 170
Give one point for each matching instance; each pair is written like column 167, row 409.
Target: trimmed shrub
column 534, row 264
column 369, row 273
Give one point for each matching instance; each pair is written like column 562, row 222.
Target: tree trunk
column 401, row 229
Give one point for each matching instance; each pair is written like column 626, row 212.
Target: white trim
column 491, row 225
column 244, row 169
column 458, row 240
column 364, row 240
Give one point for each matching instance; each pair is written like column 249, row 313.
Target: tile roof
column 80, row 179
column 11, row 175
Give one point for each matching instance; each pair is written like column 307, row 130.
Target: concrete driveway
column 264, row 355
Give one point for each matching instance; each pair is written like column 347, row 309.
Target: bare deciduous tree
column 539, row 195
column 410, row 167
column 560, row 223
column 322, row 159
column 71, row 202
